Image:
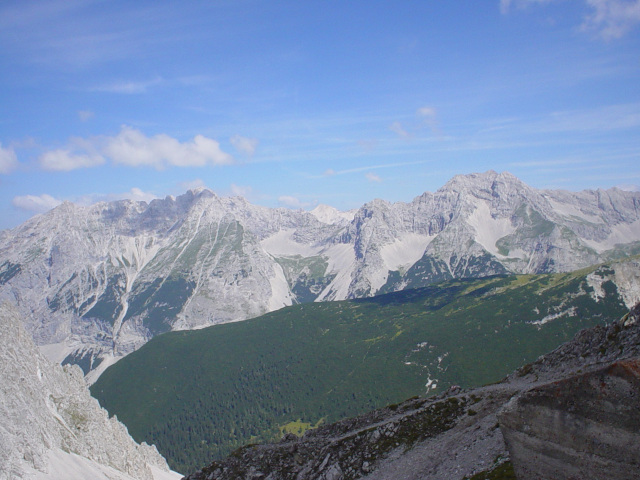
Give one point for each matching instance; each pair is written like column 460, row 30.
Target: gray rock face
column 49, row 419
column 584, row 427
column 95, row 283
column 435, row 438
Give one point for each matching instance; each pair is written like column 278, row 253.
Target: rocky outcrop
column 437, row 438
column 583, row 427
column 456, row 435
column 51, row 427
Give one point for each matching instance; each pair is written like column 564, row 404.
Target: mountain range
column 95, row 283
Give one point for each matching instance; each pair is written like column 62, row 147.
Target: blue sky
column 296, row 103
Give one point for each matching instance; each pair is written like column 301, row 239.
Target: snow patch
column 488, row 229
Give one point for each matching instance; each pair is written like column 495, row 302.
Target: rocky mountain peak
column 330, row 215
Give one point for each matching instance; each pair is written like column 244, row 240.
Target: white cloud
column 244, row 145
column 128, row 87
column 429, row 116
column 135, row 194
column 612, row 18
column 241, row 191
column 505, row 5
column 8, row 160
column 331, row 172
column 139, row 195
column 85, row 115
column 368, row 145
column 429, row 112
column 396, row 127
column 609, row 18
column 36, row 203
column 132, row 148
column 629, row 187
column 292, row 202
column 372, row 177
column 193, row 184
column 66, row 160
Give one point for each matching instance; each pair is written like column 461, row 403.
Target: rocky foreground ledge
column 457, row 435
column 587, row 426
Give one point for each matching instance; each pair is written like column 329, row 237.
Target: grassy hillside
column 200, row 394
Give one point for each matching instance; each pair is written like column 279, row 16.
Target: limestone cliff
column 51, row 427
column 583, row 427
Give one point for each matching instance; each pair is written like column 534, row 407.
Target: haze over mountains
column 95, row 283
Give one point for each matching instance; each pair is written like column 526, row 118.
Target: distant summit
column 330, row 215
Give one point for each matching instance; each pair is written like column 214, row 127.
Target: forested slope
column 200, row 394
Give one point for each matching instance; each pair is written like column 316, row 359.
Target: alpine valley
column 95, row 283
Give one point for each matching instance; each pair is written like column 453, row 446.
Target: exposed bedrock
column 583, row 427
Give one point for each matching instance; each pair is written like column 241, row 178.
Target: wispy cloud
column 133, row 148
column 548, row 163
column 601, row 119
column 397, row 128
column 81, row 34
column 36, row 203
column 45, row 202
column 193, row 184
column 128, row 87
column 244, row 145
column 627, row 187
column 372, row 177
column 136, row 194
column 292, row 202
column 241, row 190
column 8, row 160
column 85, row 115
column 65, row 33
column 68, row 159
column 331, row 172
column 505, row 5
column 610, row 19
column 429, row 116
